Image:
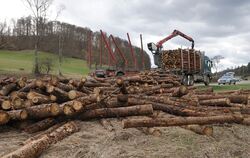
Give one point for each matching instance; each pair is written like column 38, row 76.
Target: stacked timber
column 49, row 105
column 182, row 59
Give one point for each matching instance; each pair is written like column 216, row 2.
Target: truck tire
column 207, row 80
column 188, row 80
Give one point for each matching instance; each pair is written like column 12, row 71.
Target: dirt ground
column 94, row 141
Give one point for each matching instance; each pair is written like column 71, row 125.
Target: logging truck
column 190, row 64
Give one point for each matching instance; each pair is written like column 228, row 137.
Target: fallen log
column 215, row 102
column 35, row 148
column 43, row 111
column 180, row 91
column 180, row 121
column 6, row 105
column 18, row 114
column 8, row 89
column 4, row 117
column 137, row 110
column 73, row 94
column 203, row 130
column 40, row 125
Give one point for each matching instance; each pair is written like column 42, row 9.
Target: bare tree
column 39, row 9
column 216, row 62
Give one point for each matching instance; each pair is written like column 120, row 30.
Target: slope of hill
column 21, row 62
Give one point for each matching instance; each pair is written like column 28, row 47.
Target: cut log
column 61, row 95
column 28, row 87
column 41, row 100
column 18, row 114
column 246, row 121
column 6, row 105
column 203, row 130
column 65, row 87
column 180, row 121
column 4, row 117
column 107, row 125
column 8, row 89
column 40, row 125
column 215, row 102
column 180, row 91
column 73, row 94
column 43, row 111
column 17, row 103
column 35, row 148
column 146, row 109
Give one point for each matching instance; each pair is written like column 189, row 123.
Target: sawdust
column 94, row 140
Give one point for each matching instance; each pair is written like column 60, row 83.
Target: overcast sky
column 219, row 27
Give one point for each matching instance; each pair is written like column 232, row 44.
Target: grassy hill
column 21, row 62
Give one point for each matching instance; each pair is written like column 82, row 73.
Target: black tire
column 188, row 80
column 206, row 80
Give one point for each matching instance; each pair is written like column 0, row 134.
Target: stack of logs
column 182, row 59
column 155, row 99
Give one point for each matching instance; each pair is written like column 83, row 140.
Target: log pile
column 157, row 99
column 182, row 59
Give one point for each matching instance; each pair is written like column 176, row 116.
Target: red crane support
column 119, row 51
column 142, row 53
column 100, row 62
column 108, row 47
column 90, row 49
column 132, row 52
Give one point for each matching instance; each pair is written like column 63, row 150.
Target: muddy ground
column 94, row 141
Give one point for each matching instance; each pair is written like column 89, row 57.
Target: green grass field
column 21, row 62
column 218, row 88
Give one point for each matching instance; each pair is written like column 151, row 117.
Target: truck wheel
column 188, row 80
column 207, row 81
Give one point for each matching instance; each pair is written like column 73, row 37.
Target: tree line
column 66, row 39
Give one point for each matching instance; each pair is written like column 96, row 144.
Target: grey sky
column 217, row 26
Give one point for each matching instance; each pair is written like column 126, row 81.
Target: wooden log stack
column 48, row 102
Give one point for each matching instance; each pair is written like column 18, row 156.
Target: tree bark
column 18, row 114
column 40, row 125
column 215, row 102
column 43, row 111
column 4, row 117
column 203, row 130
column 180, row 121
column 146, row 109
column 7, row 89
column 35, row 148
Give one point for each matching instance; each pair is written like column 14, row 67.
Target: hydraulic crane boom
column 157, row 47
column 174, row 34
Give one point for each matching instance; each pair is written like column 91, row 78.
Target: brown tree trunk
column 180, row 91
column 18, row 114
column 73, row 94
column 40, row 125
column 180, row 121
column 215, row 102
column 6, row 105
column 4, row 117
column 35, row 148
column 146, row 109
column 7, row 89
column 203, row 130
column 43, row 111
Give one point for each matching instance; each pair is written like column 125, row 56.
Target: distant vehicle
column 227, row 79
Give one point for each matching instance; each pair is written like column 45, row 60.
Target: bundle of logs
column 181, row 59
column 53, row 107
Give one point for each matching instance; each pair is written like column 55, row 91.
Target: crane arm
column 174, row 34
